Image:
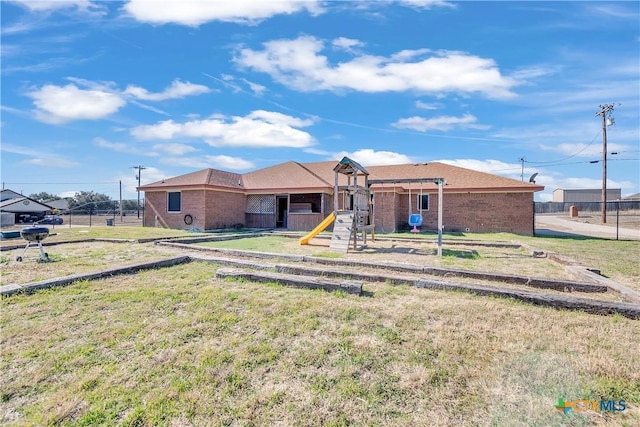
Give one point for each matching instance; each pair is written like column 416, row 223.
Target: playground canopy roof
column 348, row 166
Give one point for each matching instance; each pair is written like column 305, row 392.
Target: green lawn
column 179, row 347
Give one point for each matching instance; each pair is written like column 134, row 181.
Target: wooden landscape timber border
column 561, row 285
column 376, row 277
column 349, row 286
column 560, row 302
column 90, row 239
column 183, row 239
column 7, row 290
column 383, row 238
column 590, row 306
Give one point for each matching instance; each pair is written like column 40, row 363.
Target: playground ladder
column 343, row 229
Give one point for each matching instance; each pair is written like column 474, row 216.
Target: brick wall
column 385, row 211
column 479, row 212
column 224, row 209
column 209, row 210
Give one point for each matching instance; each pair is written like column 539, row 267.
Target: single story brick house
column 298, row 196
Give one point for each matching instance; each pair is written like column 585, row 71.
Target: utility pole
column 140, row 169
column 605, row 113
column 522, row 173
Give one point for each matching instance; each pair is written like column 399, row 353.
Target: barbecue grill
column 34, row 235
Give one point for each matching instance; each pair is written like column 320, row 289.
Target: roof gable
column 23, row 204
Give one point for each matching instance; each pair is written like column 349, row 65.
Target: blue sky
column 91, row 89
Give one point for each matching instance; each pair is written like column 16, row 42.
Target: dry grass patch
column 73, row 258
column 618, row 260
column 62, row 233
column 178, row 347
column 421, row 252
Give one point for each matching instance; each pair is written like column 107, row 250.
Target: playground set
column 352, row 225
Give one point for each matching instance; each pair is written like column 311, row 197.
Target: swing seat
column 415, row 220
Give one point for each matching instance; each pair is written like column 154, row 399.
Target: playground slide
column 324, row 224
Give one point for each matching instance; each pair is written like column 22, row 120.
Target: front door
column 282, row 203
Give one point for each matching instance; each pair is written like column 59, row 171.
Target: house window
column 423, row 202
column 173, row 201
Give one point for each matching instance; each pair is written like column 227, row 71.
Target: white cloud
column 442, row 123
column 121, row 147
column 149, row 108
column 258, row 129
column 90, row 100
column 429, row 106
column 551, row 180
column 256, row 88
column 39, row 157
column 82, row 6
column 61, row 104
column 51, row 161
column 369, row 157
column 613, row 11
column 318, row 152
column 66, row 194
column 299, row 64
column 177, row 89
column 344, row 43
column 197, row 12
column 174, row 149
column 228, row 162
column 217, row 162
column 427, row 4
column 497, row 167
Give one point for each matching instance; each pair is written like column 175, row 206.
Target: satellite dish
column 533, row 177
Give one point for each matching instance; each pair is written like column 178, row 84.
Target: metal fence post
column 617, row 218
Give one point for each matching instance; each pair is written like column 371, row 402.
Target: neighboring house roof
column 320, row 176
column 23, row 204
column 9, row 194
column 60, row 204
column 632, row 197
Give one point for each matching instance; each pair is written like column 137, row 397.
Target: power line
column 571, row 156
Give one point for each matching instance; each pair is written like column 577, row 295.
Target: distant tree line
column 86, row 202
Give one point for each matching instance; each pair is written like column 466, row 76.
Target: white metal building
column 585, row 195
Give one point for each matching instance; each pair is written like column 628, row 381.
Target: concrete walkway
column 554, row 225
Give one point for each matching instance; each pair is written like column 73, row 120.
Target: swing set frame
column 438, row 181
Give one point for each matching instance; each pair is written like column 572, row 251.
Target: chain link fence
column 619, row 214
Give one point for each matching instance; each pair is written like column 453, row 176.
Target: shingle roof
column 456, row 178
column 199, row 179
column 289, row 175
column 319, row 176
